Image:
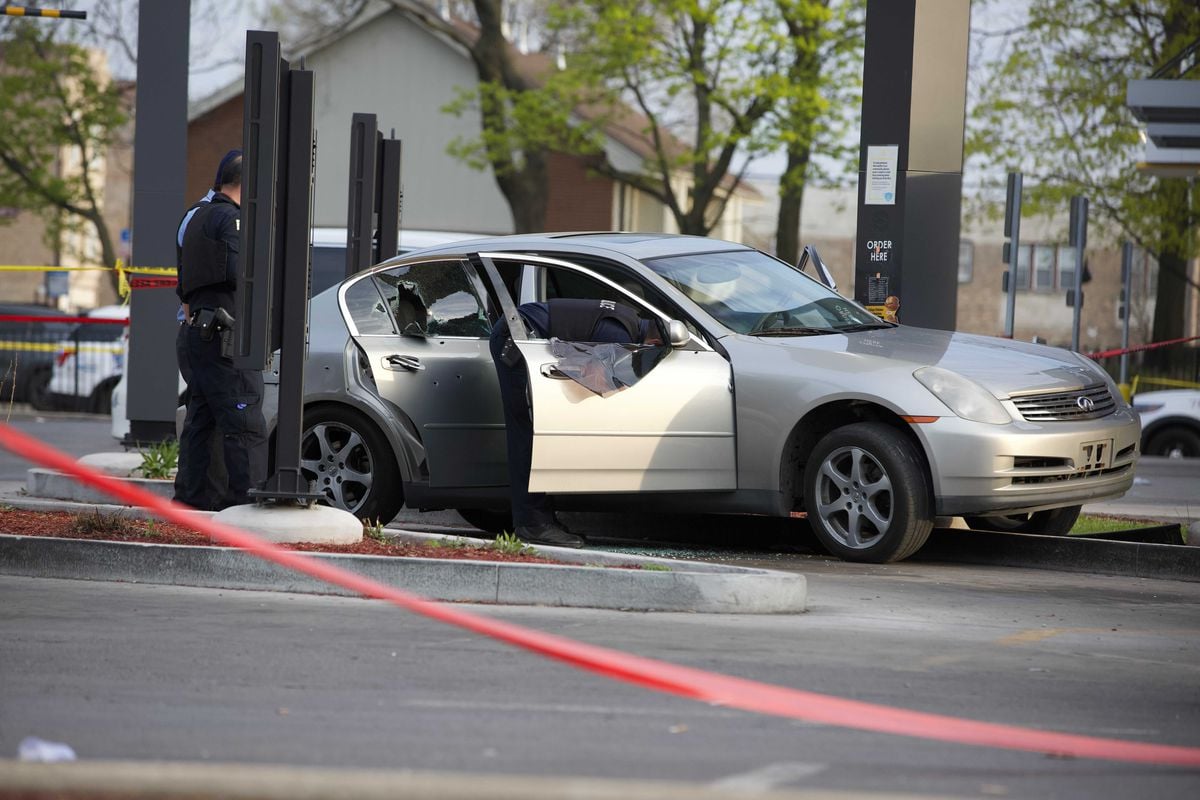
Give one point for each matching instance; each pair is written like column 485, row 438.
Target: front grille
column 1066, row 406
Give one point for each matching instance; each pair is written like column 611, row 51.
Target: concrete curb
column 185, row 781
column 1067, row 553
column 705, row 588
column 53, row 485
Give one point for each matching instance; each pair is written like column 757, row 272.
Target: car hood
column 1002, row 366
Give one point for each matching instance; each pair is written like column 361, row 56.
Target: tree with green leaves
column 823, row 44
column 57, row 120
column 702, row 74
column 1052, row 105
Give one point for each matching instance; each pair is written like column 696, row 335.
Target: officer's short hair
column 229, row 173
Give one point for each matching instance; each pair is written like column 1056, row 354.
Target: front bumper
column 980, row 469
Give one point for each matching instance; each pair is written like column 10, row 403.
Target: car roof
column 409, row 239
column 640, row 246
column 109, row 312
column 31, row 309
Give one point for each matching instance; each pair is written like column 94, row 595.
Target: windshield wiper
column 866, row 326
column 801, row 330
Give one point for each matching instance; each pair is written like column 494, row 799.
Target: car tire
column 867, row 494
column 38, row 390
column 487, row 520
column 1053, row 522
column 1174, row 441
column 101, row 400
column 349, row 461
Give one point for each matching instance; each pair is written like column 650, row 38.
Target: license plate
column 1094, row 455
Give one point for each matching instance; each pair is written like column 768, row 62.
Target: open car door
column 672, row 431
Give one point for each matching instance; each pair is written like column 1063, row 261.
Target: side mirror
column 678, row 333
column 821, row 272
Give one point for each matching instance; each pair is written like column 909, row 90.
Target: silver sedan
column 779, row 397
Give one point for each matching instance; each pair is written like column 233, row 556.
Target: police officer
column 533, row 514
column 220, row 396
column 218, row 481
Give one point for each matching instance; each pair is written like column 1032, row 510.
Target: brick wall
column 209, row 138
column 577, row 200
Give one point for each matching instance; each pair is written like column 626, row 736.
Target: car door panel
column 672, row 431
column 445, row 384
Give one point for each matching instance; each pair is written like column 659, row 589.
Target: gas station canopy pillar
column 910, row 162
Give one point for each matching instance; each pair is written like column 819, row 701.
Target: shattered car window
column 433, row 299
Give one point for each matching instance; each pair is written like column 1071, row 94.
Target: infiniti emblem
column 1086, row 403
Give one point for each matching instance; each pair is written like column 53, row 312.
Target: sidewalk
column 587, row 579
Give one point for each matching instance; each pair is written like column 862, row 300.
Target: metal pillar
column 278, row 144
column 360, row 207
column 1126, row 303
column 388, row 199
column 910, row 162
column 1012, row 250
column 1078, row 240
column 159, row 173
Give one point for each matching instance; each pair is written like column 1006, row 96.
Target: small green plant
column 1096, row 523
column 374, row 530
column 7, row 507
column 96, row 522
column 656, row 567
column 151, row 528
column 456, row 543
column 160, row 459
column 510, row 545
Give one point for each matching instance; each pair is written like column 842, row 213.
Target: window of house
column 966, row 261
column 1043, row 267
column 1066, row 266
column 1024, row 255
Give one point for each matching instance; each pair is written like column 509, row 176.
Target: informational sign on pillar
column 910, row 160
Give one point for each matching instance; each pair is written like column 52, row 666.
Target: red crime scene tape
column 695, row 684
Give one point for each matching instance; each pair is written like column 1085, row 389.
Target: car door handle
column 552, row 371
column 403, row 362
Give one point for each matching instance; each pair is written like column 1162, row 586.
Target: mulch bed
column 119, row 528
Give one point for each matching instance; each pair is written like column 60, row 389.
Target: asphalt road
column 77, row 434
column 123, row 671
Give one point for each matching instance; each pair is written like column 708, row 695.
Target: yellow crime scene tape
column 1172, row 382
column 121, row 269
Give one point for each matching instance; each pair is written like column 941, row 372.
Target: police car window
column 328, row 267
column 367, row 309
column 434, row 298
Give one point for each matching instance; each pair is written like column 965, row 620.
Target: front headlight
column 963, row 396
column 1103, row 375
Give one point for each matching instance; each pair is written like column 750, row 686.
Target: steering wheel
column 769, row 319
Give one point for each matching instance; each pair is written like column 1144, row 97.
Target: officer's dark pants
column 528, row 509
column 217, row 479
column 227, row 400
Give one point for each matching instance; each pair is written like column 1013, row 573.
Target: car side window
column 367, row 309
column 433, row 298
column 568, row 283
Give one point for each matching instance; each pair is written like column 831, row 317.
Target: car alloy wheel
column 349, row 462
column 867, row 494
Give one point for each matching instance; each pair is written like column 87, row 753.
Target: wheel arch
column 1169, row 422
column 823, row 419
column 401, row 457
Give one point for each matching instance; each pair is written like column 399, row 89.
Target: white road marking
column 769, row 777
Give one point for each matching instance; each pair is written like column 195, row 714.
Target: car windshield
column 750, row 292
